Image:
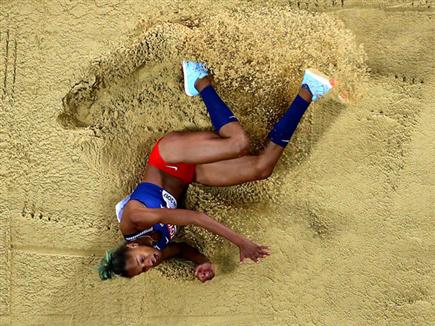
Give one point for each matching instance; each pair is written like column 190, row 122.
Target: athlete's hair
column 113, row 263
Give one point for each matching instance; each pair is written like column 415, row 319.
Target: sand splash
column 133, row 95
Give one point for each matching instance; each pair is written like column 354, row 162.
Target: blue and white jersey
column 152, row 196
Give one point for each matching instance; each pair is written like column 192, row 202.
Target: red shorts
column 184, row 172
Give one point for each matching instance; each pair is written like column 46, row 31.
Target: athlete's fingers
column 264, row 253
column 205, row 276
column 264, row 247
column 202, row 276
column 199, row 269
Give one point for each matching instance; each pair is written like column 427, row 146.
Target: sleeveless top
column 152, row 196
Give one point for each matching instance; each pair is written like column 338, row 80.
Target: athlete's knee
column 172, row 136
column 263, row 169
column 167, row 144
column 240, row 144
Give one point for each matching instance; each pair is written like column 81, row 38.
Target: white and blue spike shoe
column 192, row 72
column 318, row 83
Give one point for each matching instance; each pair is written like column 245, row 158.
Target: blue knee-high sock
column 219, row 113
column 286, row 126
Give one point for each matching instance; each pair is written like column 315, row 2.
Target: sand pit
column 131, row 97
column 88, row 88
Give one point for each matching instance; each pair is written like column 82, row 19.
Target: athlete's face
column 141, row 258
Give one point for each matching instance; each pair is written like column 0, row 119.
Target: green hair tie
column 105, row 270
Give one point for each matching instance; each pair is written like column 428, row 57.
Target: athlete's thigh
column 179, row 145
column 199, row 147
column 228, row 172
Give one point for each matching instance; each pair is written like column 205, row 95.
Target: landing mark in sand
column 305, row 4
column 409, row 79
column 14, row 76
column 10, row 45
column 51, row 251
column 6, row 56
column 32, row 213
column 5, row 265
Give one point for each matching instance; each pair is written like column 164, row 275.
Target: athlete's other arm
column 204, row 270
column 145, row 217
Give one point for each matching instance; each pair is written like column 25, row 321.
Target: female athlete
column 149, row 218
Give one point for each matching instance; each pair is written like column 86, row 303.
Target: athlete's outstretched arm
column 145, row 217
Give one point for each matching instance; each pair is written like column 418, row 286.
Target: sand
column 87, row 88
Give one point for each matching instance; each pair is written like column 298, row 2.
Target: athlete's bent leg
column 228, row 141
column 257, row 167
column 239, row 170
column 220, row 114
column 201, row 147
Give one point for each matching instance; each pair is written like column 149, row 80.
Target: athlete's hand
column 204, row 272
column 253, row 251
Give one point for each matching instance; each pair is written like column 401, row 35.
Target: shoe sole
column 186, row 90
column 321, row 77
